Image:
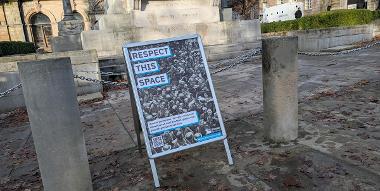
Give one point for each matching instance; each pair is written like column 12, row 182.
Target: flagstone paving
column 338, row 147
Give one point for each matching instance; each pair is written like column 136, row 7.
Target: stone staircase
column 222, row 52
column 224, row 35
column 214, row 54
column 151, row 19
column 163, row 19
column 157, row 13
column 115, row 64
column 177, row 4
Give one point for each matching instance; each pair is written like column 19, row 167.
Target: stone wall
column 12, row 15
column 80, row 60
column 318, row 6
column 109, row 42
column 376, row 28
column 319, row 39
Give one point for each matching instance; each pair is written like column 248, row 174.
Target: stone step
column 108, row 42
column 214, row 55
column 340, row 48
column 156, row 18
column 216, row 65
column 176, row 16
column 220, row 49
column 178, row 4
column 114, row 64
column 111, row 61
column 225, row 55
column 116, row 21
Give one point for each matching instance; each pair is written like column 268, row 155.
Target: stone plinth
column 118, row 22
column 163, row 19
column 70, row 27
column 109, row 42
column 176, row 16
column 68, row 38
column 66, row 43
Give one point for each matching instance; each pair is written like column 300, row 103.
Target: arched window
column 41, row 31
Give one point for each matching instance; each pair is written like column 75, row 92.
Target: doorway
column 41, row 31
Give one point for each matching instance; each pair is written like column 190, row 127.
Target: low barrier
column 13, row 94
column 316, row 40
column 81, row 60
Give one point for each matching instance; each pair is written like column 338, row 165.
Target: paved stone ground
column 338, row 148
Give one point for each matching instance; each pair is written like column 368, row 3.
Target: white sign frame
column 140, row 111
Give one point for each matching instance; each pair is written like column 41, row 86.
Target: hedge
column 337, row 18
column 16, row 47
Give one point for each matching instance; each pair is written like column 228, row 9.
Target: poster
column 174, row 94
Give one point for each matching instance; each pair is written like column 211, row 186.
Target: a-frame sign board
column 174, row 96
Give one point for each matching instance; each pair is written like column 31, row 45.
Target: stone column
column 69, row 30
column 67, row 10
column 280, row 74
column 51, row 102
column 137, row 5
column 69, row 25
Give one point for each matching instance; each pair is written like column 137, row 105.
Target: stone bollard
column 280, row 74
column 51, row 101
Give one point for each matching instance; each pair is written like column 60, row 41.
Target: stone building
column 36, row 20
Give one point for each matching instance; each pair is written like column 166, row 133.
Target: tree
column 247, row 9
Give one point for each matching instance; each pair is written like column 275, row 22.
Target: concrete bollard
column 280, row 74
column 51, row 101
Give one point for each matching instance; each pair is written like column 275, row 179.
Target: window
column 279, row 2
column 308, row 4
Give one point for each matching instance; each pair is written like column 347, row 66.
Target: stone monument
column 69, row 30
column 141, row 20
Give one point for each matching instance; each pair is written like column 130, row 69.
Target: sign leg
column 136, row 123
column 154, row 172
column 228, row 152
column 135, row 115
